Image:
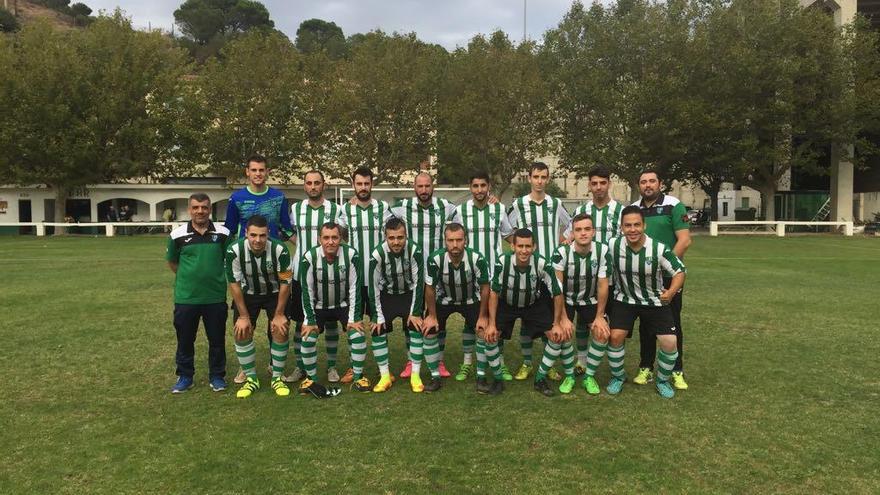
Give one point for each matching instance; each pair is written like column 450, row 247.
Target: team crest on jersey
column 214, row 238
column 648, row 262
column 594, row 263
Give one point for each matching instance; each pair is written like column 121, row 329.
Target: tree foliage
column 206, row 20
column 319, row 36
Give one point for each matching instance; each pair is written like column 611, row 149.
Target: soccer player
column 257, row 198
column 605, row 214
column 195, row 253
column 457, row 281
column 425, row 217
column 582, row 267
column 665, row 220
column 525, row 287
column 307, row 217
column 330, row 277
column 547, row 219
column 486, row 225
column 258, row 271
column 639, row 265
column 396, row 289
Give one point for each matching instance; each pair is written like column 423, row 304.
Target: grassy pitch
column 781, row 354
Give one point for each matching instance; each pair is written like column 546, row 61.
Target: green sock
column 416, row 342
column 331, row 340
column 357, row 344
column 279, row 357
column 567, row 356
column 247, row 356
column 432, row 355
column 616, row 356
column 379, row 344
column 594, row 356
column 468, row 340
column 309, row 353
column 665, row 364
column 551, row 353
column 525, row 345
column 582, row 338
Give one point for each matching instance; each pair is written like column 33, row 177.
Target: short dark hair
column 581, row 216
column 256, row 221
column 255, row 158
column 394, row 223
column 523, row 234
column 363, row 172
column 651, row 171
column 629, row 210
column 331, row 226
column 454, row 227
column 315, row 171
column 538, row 166
column 600, row 171
column 198, row 197
column 480, row 175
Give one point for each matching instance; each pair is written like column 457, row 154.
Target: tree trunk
column 768, row 201
column 634, row 194
column 61, row 194
column 713, row 191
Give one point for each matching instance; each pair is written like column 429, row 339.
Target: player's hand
column 375, row 328
column 415, row 322
column 490, row 334
column 482, row 323
column 280, row 326
column 357, row 326
column 492, row 199
column 430, row 323
column 242, row 328
column 567, row 327
column 566, row 241
column 666, row 297
column 556, row 335
column 307, row 329
column 600, row 328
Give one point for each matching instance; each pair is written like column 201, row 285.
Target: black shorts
column 586, row 314
column 393, row 307
column 470, row 313
column 536, row 319
column 324, row 316
column 655, row 319
column 255, row 304
column 294, row 307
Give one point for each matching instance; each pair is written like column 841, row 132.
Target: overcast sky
column 450, row 23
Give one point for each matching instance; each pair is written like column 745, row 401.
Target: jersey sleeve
column 355, row 281
column 670, row 263
column 172, row 252
column 386, row 212
column 285, row 230
column 456, row 216
column 291, row 218
column 679, row 217
column 450, row 211
column 504, row 226
column 558, row 259
column 482, row 270
column 418, row 276
column 233, row 217
column 308, row 289
column 513, row 215
column 398, row 210
column 577, row 211
column 373, row 287
column 285, row 268
column 496, row 277
column 604, row 260
column 433, row 271
column 233, row 270
column 563, row 218
column 549, row 276
column 341, row 217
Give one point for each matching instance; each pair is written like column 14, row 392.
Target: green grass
column 781, row 352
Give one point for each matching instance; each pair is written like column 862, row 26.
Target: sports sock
column 525, row 344
column 297, row 345
column 309, row 354
column 468, row 339
column 582, row 336
column 379, row 344
column 493, row 355
column 567, row 356
column 665, row 363
column 441, row 344
column 416, row 343
column 432, row 355
column 481, row 358
column 247, row 356
column 551, row 353
column 594, row 356
column 357, row 344
column 279, row 357
column 615, row 361
column 331, row 340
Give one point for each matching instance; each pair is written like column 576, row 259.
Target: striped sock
column 665, row 364
column 279, row 357
column 567, row 356
column 432, row 355
column 615, row 361
column 357, row 344
column 297, row 346
column 331, row 340
column 525, row 344
column 468, row 339
column 309, row 355
column 415, row 351
column 247, row 356
column 481, row 358
column 551, row 353
column 594, row 356
column 582, row 336
column 493, row 355
column 379, row 344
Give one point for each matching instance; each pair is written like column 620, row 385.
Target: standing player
column 486, row 225
column 639, row 265
column 330, row 277
column 396, row 289
column 525, row 287
column 457, row 281
column 665, row 220
column 307, row 217
column 605, row 214
column 257, row 198
column 425, row 217
column 547, row 219
column 258, row 272
column 582, row 267
column 195, row 253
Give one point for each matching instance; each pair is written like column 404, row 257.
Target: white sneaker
column 332, row 375
column 294, row 377
column 240, row 377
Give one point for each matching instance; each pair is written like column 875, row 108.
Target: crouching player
column 582, row 268
column 258, row 271
column 524, row 286
column 638, row 264
column 396, row 288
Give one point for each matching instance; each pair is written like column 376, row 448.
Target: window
column 745, row 202
column 724, row 208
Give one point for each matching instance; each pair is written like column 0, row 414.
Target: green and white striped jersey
column 606, row 220
column 486, row 228
column 396, row 274
column 457, row 284
column 547, row 220
column 366, row 228
column 520, row 286
column 424, row 225
column 258, row 275
column 581, row 273
column 638, row 276
column 307, row 221
column 331, row 285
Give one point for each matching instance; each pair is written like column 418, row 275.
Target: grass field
column 781, row 349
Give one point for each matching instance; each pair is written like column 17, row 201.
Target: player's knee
column 668, row 343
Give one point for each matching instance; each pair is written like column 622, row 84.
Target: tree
column 319, row 36
column 80, row 9
column 8, row 22
column 76, row 109
column 493, row 111
column 205, row 20
column 381, row 109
